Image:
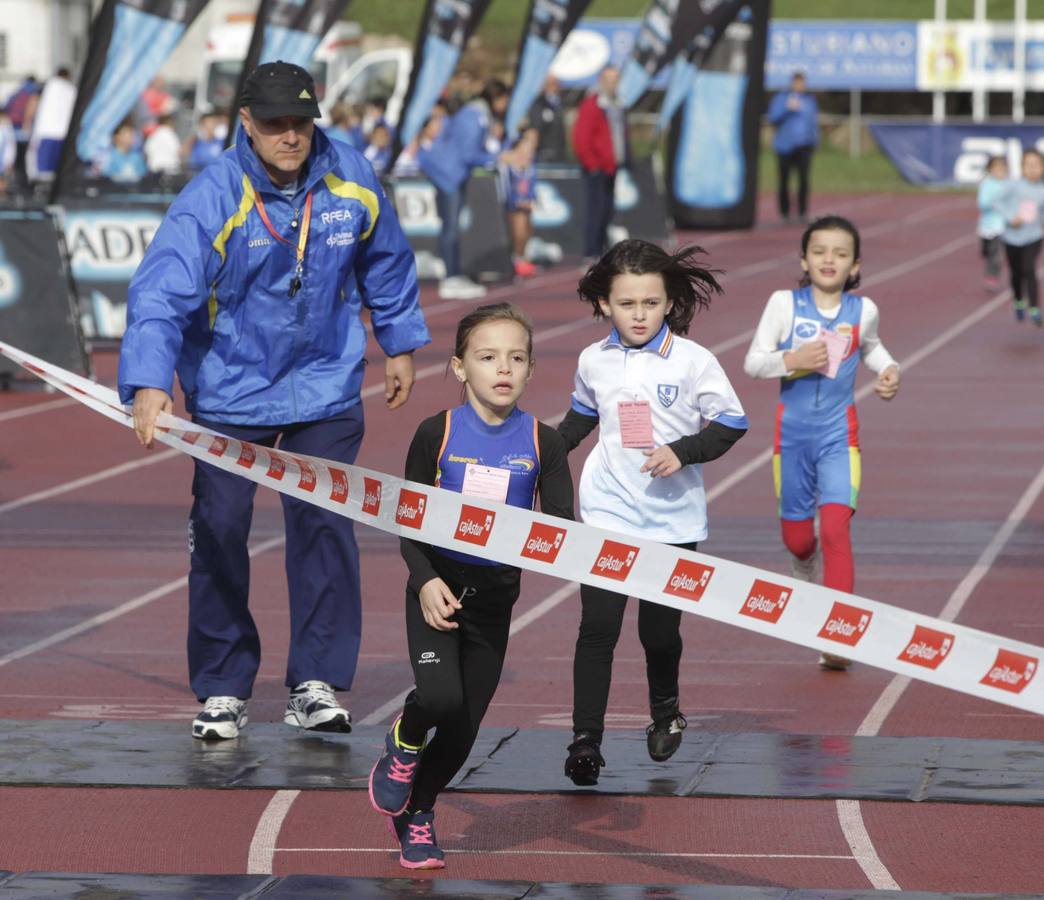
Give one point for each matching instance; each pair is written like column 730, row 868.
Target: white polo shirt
column 686, row 388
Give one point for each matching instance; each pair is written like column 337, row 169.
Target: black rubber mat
column 130, row 886
column 163, row 754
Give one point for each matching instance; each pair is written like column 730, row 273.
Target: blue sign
column 954, row 154
column 842, row 55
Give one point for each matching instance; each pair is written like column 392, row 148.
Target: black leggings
column 1022, row 266
column 456, row 672
column 601, row 620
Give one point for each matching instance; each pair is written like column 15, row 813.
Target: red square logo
column 846, row 624
column 689, row 580
column 544, row 542
column 1011, row 671
column 410, row 511
column 372, row 496
column 474, row 524
column 339, row 491
column 615, row 560
column 247, row 455
column 190, row 437
column 927, row 647
column 218, row 446
column 276, row 466
column 766, row 601
column 307, row 480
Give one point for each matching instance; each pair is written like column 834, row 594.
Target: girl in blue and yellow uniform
column 813, row 339
column 458, row 606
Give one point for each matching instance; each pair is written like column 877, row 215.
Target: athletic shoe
column 391, row 779
column 833, row 663
column 313, row 706
column 457, row 287
column 1035, row 316
column 1020, row 310
column 806, row 569
column 664, row 737
column 220, row 719
column 416, row 835
column 584, row 761
column 524, row 268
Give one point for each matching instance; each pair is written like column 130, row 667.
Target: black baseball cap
column 278, row 89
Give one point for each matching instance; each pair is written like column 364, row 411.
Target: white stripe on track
column 863, row 849
column 36, row 408
column 263, row 844
column 628, row 854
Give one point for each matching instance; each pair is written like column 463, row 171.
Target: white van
column 227, row 47
column 377, row 75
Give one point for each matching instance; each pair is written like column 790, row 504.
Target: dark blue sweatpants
column 322, row 569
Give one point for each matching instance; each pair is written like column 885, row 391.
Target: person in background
column 206, row 145
column 8, row 154
column 447, row 160
column 123, row 161
column 517, row 171
column 546, row 116
column 20, row 108
column 50, row 125
column 379, row 149
column 600, row 144
column 347, row 126
column 795, row 115
column 990, row 228
column 163, row 147
column 373, row 114
column 1023, row 207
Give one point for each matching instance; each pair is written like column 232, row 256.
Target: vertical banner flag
column 549, row 23
column 444, row 32
column 289, row 30
column 666, row 31
column 712, row 150
column 129, row 42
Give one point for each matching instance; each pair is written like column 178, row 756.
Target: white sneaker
column 313, row 706
column 806, row 569
column 835, row 663
column 220, row 719
column 460, row 288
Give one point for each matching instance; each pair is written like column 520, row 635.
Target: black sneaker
column 664, row 737
column 584, row 761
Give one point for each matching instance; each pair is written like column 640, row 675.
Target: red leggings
column 800, row 539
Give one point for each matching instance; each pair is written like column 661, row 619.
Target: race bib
column 636, row 429
column 486, row 482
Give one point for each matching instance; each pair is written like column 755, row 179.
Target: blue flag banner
column 130, row 41
column 444, row 32
column 669, row 27
column 548, row 24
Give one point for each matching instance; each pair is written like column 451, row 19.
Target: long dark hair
column 688, row 285
column 832, row 223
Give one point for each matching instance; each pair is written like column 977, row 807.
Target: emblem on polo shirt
column 667, row 393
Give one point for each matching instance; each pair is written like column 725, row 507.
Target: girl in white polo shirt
column 663, row 406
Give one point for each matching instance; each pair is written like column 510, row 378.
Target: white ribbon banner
column 868, row 631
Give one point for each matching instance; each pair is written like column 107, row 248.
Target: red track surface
column 944, row 465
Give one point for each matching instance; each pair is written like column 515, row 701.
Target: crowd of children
column 664, row 407
column 1011, row 224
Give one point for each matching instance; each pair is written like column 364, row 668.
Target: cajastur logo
column 474, row 524
column 218, row 446
column 615, row 560
column 544, row 542
column 307, row 480
column 846, row 624
column 247, row 455
column 927, row 647
column 372, row 496
column 339, row 489
column 276, row 466
column 688, row 580
column 410, row 510
column 1011, row 671
column 766, row 601
column 190, row 437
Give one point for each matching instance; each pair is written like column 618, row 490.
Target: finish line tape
column 953, row 656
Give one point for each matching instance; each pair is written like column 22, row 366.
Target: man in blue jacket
column 251, row 291
column 795, row 115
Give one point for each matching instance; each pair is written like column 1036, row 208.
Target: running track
column 951, row 522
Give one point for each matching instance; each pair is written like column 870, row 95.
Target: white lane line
column 863, row 850
column 118, row 611
column 632, row 854
column 36, row 408
column 262, row 846
column 103, row 475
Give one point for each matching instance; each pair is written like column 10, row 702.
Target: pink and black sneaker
column 416, row 834
column 391, row 779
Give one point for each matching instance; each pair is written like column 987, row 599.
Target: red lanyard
column 302, row 237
